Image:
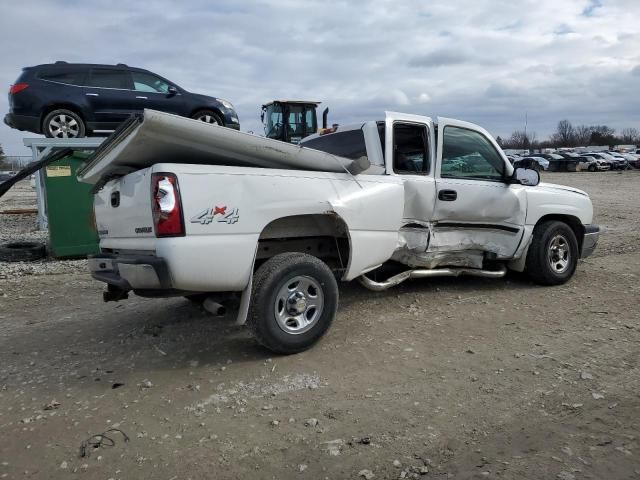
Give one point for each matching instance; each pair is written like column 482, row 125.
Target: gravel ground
column 441, row 378
column 23, row 228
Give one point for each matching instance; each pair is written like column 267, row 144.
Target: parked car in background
column 603, row 156
column 634, row 159
column 621, row 162
column 550, row 156
column 67, row 100
column 533, row 162
column 592, row 164
column 5, row 176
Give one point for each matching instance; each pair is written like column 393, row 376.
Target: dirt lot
column 449, row 378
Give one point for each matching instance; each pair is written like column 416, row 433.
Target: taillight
column 166, row 205
column 18, row 87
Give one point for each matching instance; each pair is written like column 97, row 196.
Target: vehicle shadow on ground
column 142, row 337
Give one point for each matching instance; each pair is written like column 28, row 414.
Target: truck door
column 409, row 150
column 476, row 208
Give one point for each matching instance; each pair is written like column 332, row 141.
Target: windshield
column 289, row 122
column 272, row 120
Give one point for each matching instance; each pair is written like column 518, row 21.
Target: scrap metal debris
column 100, row 440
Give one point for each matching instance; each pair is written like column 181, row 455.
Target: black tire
column 543, row 265
column 63, row 123
column 592, row 168
column 270, row 280
column 22, row 251
column 208, row 116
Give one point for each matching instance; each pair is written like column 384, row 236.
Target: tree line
column 568, row 135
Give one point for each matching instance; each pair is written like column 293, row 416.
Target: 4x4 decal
column 207, row 216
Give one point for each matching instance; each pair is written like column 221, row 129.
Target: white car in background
column 592, row 164
column 533, row 162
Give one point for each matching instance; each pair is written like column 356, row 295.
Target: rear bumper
column 23, row 122
column 590, row 240
column 131, row 272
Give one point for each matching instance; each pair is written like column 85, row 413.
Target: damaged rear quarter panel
column 220, row 255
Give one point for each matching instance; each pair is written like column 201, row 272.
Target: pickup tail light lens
column 166, row 205
column 18, row 87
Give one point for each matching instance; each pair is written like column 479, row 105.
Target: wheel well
column 325, row 236
column 215, row 110
column 573, row 222
column 68, row 106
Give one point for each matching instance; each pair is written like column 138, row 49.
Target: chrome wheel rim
column 64, row 126
column 207, row 118
column 299, row 304
column 559, row 255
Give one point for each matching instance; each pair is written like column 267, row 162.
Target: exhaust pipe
column 213, row 307
column 325, row 114
column 436, row 272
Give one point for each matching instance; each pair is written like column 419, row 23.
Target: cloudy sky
column 485, row 61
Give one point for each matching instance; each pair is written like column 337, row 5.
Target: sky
column 489, row 62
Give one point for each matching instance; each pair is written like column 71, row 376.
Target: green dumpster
column 69, row 206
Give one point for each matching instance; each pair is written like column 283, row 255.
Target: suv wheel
column 208, row 116
column 63, row 123
column 295, row 299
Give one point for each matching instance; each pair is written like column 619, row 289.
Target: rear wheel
column 63, row 123
column 553, row 255
column 294, row 302
column 208, row 116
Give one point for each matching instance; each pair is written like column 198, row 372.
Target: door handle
column 143, row 98
column 91, row 94
column 447, row 195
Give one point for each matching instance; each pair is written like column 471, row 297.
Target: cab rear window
column 348, row 144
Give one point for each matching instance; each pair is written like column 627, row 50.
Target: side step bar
column 436, row 272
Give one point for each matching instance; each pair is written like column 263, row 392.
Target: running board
column 436, row 272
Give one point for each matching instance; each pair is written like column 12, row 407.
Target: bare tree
column 582, row 135
column 564, row 136
column 532, row 139
column 630, row 136
column 521, row 140
column 602, row 135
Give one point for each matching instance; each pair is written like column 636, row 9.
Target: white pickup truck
column 184, row 208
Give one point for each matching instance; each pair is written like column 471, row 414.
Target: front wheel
column 592, row 168
column 553, row 255
column 208, row 116
column 63, row 123
column 294, row 302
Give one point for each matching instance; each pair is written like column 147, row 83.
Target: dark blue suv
column 67, row 100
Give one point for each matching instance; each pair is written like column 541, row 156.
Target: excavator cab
column 290, row 120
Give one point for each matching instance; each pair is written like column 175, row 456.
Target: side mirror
column 526, row 176
column 172, row 91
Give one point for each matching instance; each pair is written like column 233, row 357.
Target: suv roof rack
column 60, row 61
column 121, row 65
